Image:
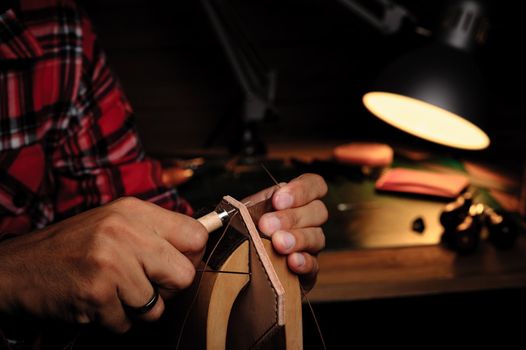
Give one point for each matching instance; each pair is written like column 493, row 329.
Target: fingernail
column 300, row 259
column 273, row 224
column 283, row 200
column 287, row 240
column 83, row 319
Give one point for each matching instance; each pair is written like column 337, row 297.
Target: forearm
column 6, row 280
column 13, row 272
column 7, row 313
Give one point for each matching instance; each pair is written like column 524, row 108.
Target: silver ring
column 141, row 310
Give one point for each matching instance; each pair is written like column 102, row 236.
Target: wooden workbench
column 380, row 273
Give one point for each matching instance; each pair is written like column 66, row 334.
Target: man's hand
column 86, row 268
column 295, row 226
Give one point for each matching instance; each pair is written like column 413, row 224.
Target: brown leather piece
column 274, row 339
column 254, row 318
column 254, row 313
column 228, row 244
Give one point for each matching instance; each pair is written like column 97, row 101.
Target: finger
column 134, row 288
column 299, row 192
column 263, row 194
column 111, row 315
column 135, row 292
column 311, row 215
column 152, row 314
column 185, row 233
column 168, row 268
column 120, row 281
column 311, row 240
column 158, row 259
column 306, row 266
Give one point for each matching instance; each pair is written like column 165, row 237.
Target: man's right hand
column 84, row 269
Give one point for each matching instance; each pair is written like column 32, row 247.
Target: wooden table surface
column 361, row 274
column 395, row 272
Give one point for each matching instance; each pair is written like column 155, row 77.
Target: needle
column 216, row 219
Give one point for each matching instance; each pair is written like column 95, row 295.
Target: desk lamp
column 436, row 92
column 257, row 81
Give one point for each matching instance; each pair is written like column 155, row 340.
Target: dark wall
column 180, row 84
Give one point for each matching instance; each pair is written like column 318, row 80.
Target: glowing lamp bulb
column 426, row 121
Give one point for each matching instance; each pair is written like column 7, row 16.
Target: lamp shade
column 435, row 93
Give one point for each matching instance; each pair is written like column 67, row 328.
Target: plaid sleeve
column 101, row 157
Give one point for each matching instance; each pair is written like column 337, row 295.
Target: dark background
column 179, row 82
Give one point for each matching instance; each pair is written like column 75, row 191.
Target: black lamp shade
column 436, row 93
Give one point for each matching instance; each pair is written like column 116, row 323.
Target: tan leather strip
column 262, row 254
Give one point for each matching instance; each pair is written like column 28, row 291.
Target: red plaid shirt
column 67, row 138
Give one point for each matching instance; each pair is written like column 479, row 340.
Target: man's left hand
column 295, row 226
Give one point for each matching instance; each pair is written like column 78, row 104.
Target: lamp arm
column 256, row 80
column 389, row 21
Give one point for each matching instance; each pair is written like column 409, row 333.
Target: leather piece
column 253, row 321
column 422, row 182
column 274, row 339
column 257, row 210
column 254, row 313
column 254, row 317
column 232, row 239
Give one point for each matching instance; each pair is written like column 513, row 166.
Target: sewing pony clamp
column 244, row 297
